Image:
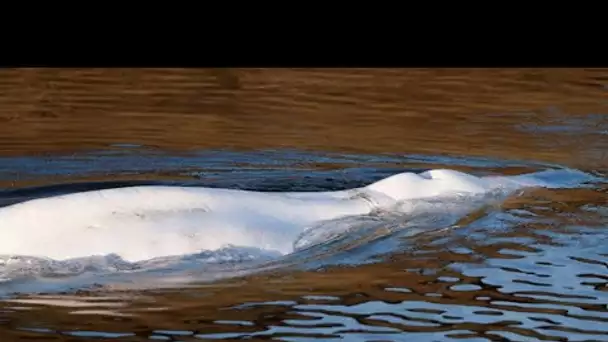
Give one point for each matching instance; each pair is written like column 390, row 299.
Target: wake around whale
column 144, row 222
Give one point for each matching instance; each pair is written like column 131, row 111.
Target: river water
column 530, row 267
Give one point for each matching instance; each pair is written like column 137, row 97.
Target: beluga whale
column 144, row 222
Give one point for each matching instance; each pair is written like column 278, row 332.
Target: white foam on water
column 127, row 229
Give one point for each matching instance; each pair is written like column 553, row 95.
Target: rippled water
column 533, row 266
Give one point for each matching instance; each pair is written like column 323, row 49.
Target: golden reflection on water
column 434, row 111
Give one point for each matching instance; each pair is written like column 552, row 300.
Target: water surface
column 531, row 267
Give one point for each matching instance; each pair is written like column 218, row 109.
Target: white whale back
column 144, row 222
column 432, row 183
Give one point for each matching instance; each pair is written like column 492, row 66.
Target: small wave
column 16, row 267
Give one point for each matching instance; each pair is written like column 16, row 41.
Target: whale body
column 144, row 222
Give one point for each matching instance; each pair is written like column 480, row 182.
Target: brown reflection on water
column 463, row 111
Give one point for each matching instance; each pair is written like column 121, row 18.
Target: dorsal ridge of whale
column 432, row 183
